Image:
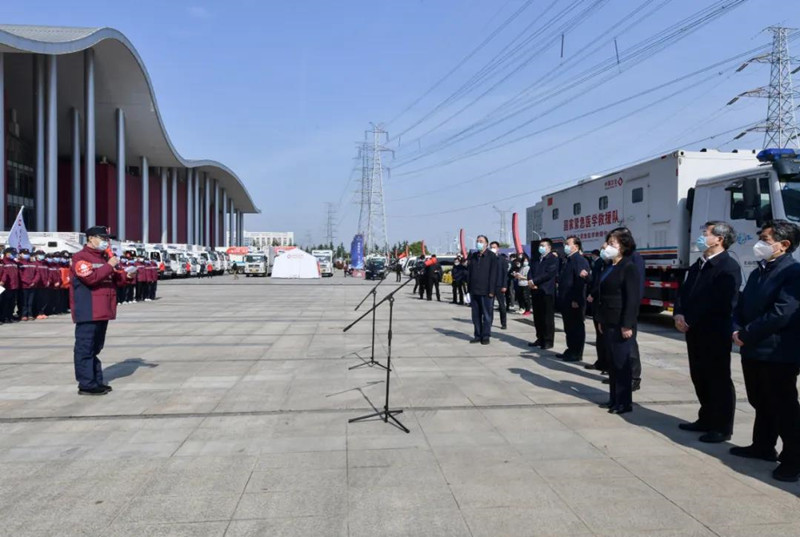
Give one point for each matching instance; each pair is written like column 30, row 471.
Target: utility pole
column 330, row 226
column 780, row 129
column 372, row 216
column 502, row 235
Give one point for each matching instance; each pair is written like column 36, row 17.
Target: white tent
column 295, row 264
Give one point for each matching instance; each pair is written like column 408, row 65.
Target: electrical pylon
column 330, row 226
column 502, row 235
column 372, row 216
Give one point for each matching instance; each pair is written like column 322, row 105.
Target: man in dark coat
column 766, row 324
column 571, row 299
column 703, row 313
column 502, row 283
column 482, row 284
column 459, row 275
column 542, row 281
column 433, row 275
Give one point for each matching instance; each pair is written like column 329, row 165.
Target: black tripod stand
column 371, row 362
column 386, row 414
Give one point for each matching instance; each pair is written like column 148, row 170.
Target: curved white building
column 85, row 144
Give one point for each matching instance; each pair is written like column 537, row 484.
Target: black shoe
column 93, row 391
column 752, row 452
column 788, row 473
column 562, row 355
column 485, row 342
column 620, row 409
column 475, row 340
column 606, row 381
column 503, row 327
column 714, row 437
column 573, row 358
column 637, row 385
column 107, row 387
column 537, row 343
column 590, row 366
column 695, row 426
column 547, row 346
column 607, row 404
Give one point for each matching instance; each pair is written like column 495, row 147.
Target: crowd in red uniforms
column 143, row 285
column 36, row 285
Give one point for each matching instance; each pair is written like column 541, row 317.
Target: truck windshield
column 791, row 200
column 254, row 259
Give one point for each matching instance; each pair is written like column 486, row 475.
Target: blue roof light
column 771, row 155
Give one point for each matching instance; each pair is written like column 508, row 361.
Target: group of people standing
column 427, row 274
column 142, row 285
column 33, row 285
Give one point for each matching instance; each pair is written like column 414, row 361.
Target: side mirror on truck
column 752, row 200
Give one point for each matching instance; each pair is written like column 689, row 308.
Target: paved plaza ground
column 229, row 417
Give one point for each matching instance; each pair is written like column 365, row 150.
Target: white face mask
column 762, row 250
column 494, row 250
column 609, row 253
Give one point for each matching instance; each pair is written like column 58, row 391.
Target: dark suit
column 767, row 317
column 481, row 282
column 502, row 283
column 572, row 289
column 617, row 308
column 543, row 275
column 706, row 301
column 594, row 288
column 433, row 275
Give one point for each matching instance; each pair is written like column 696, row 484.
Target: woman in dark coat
column 617, row 307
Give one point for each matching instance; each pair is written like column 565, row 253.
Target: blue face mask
column 479, row 246
column 567, row 249
column 25, row 257
column 542, row 250
column 40, row 257
column 701, row 243
column 103, row 245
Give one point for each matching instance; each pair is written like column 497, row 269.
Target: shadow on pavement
column 125, row 368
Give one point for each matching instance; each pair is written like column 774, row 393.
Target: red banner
column 515, row 233
column 461, row 243
column 423, row 249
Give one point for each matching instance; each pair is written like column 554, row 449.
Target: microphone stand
column 371, row 362
column 386, row 414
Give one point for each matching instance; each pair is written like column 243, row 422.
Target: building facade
column 85, row 145
column 263, row 239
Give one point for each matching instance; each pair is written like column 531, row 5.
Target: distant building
column 263, row 239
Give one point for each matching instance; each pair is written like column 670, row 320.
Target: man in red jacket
column 9, row 280
column 30, row 281
column 93, row 301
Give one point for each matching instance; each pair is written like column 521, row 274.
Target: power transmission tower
column 372, row 216
column 780, row 129
column 502, row 235
column 330, row 225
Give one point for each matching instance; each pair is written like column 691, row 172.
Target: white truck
column 325, row 259
column 666, row 201
column 256, row 264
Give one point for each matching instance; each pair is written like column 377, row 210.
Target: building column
column 52, row 143
column 174, row 173
column 163, row 205
column 196, row 209
column 145, row 200
column 75, row 119
column 120, row 174
column 189, row 200
column 88, row 95
column 207, row 212
column 240, row 228
column 3, row 196
column 231, row 224
column 41, row 205
column 226, row 241
column 216, row 214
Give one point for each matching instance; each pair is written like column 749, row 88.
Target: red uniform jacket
column 29, row 274
column 44, row 274
column 93, row 295
column 54, row 276
column 9, row 274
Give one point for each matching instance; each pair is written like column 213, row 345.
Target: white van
column 256, row 264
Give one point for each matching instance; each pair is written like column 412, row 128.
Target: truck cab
column 747, row 199
column 176, row 261
column 255, row 264
column 325, row 259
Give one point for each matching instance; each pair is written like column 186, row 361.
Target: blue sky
column 281, row 91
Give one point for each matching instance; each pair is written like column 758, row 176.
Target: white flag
column 18, row 236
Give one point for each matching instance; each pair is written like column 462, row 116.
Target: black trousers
column 140, row 291
column 575, row 330
column 399, row 276
column 544, row 317
column 28, row 303
column 511, row 291
column 417, row 283
column 636, row 359
column 458, row 292
column 600, row 348
column 482, row 313
column 619, row 351
column 710, row 369
column 501, row 308
column 89, row 340
column 8, row 301
column 524, row 298
column 430, row 284
column 772, row 392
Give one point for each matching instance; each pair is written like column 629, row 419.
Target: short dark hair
column 493, row 243
column 723, row 230
column 548, row 241
column 595, row 252
column 575, row 240
column 625, row 240
column 482, row 236
column 784, row 231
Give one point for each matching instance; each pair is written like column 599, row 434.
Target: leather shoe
column 107, row 387
column 485, row 342
column 788, row 473
column 590, row 366
column 606, row 381
column 93, row 391
column 714, row 437
column 694, row 426
column 537, row 343
column 607, row 404
column 475, row 340
column 751, row 452
column 547, row 347
column 620, row 409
